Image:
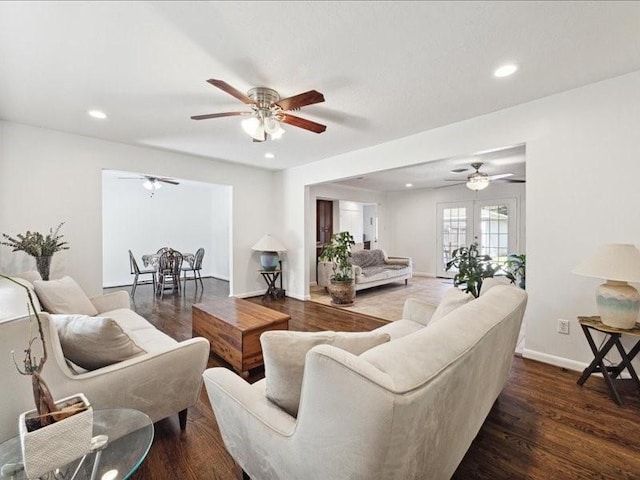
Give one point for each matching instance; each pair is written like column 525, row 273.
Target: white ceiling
column 386, row 69
column 439, row 174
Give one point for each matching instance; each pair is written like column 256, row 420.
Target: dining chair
column 195, row 268
column 169, row 268
column 135, row 270
column 162, row 250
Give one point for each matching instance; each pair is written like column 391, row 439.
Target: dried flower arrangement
column 39, row 246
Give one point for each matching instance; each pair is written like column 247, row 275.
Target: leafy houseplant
column 472, row 267
column 516, row 269
column 338, row 251
column 39, row 246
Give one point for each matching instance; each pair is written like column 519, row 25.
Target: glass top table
column 129, row 434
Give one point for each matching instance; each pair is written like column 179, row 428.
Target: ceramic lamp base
column 618, row 304
column 269, row 260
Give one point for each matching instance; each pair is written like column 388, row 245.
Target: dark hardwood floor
column 543, row 425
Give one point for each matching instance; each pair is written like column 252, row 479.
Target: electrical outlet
column 563, row 326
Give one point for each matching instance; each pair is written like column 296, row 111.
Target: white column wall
column 582, row 169
column 48, row 176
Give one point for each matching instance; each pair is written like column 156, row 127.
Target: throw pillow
column 94, row 342
column 64, row 296
column 489, row 283
column 452, row 299
column 284, row 354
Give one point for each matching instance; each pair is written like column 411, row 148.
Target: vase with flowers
column 41, row 247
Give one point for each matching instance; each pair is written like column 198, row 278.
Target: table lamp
column 618, row 302
column 269, row 246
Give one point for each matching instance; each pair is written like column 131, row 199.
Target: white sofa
column 164, row 381
column 406, row 409
column 371, row 268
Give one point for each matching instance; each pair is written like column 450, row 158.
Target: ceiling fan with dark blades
column 479, row 180
column 268, row 111
column 150, row 182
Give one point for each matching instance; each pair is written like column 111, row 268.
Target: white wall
column 412, row 219
column 582, row 170
column 179, row 216
column 351, row 219
column 47, row 177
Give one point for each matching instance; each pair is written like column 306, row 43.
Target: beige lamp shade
column 269, row 243
column 269, row 246
column 618, row 302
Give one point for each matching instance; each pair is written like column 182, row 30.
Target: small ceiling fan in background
column 479, row 180
column 150, row 182
column 268, row 111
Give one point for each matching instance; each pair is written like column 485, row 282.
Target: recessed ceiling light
column 408, row 185
column 269, row 155
column 97, row 114
column 505, row 70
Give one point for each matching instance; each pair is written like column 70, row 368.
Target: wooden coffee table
column 233, row 327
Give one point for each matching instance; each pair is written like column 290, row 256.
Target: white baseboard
column 562, row 362
column 424, row 274
column 248, row 294
column 554, row 360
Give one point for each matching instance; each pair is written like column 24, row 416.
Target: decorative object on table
column 69, row 438
column 515, row 269
column 270, row 246
column 39, row 246
column 50, row 433
column 338, row 251
column 618, row 302
column 472, row 267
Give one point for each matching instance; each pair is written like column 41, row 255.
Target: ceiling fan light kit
column 268, row 111
column 151, row 184
column 478, row 181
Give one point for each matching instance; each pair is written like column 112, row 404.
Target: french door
column 491, row 223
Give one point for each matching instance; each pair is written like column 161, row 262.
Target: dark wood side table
column 271, row 277
column 611, row 372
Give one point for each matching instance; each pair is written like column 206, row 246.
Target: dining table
column 153, row 259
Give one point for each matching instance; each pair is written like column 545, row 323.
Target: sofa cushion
column 399, row 328
column 94, row 342
column 452, row 299
column 64, row 296
column 284, row 355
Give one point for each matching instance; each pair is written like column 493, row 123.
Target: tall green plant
column 338, row 251
column 472, row 267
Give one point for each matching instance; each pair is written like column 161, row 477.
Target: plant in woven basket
column 472, row 268
column 40, row 246
column 32, row 366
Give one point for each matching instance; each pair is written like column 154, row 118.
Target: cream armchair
column 406, row 409
column 164, row 381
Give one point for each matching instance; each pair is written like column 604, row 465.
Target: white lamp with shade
column 269, row 246
column 618, row 302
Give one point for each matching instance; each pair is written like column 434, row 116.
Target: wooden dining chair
column 169, row 268
column 195, row 268
column 137, row 271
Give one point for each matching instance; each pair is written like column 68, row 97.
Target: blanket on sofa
column 372, row 262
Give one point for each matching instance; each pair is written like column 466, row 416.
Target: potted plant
column 516, row 269
column 54, row 433
column 338, row 251
column 472, row 268
column 39, row 246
